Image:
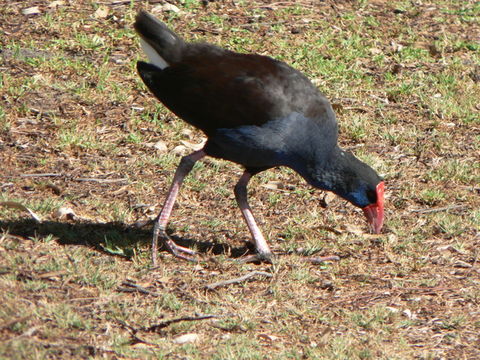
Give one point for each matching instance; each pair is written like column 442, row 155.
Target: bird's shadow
column 113, row 238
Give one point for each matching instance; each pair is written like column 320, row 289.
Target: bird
column 255, row 111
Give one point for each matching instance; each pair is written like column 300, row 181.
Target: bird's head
column 374, row 211
column 356, row 182
column 364, row 188
column 370, row 198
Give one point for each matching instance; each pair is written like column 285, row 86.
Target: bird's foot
column 258, row 258
column 174, row 249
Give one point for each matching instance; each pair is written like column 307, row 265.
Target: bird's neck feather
column 325, row 171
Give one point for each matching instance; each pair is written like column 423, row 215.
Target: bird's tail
column 162, row 46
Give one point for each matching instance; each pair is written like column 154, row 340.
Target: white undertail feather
column 153, row 56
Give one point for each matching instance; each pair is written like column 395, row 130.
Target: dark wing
column 213, row 88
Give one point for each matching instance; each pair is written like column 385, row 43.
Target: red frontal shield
column 374, row 212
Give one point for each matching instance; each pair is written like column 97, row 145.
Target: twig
column 93, row 350
column 166, row 323
column 125, row 2
column 283, row 4
column 204, row 30
column 133, row 333
column 385, row 101
column 237, row 280
column 41, row 175
column 131, row 287
column 52, row 274
column 100, row 180
column 229, row 328
column 320, row 227
column 28, row 333
column 446, row 208
column 262, row 24
column 318, row 260
column 129, row 327
column 14, row 321
column 475, row 258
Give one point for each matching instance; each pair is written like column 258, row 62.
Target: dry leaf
column 375, row 51
column 326, row 332
column 396, row 47
column 161, row 146
column 143, row 345
column 357, row 230
column 65, row 213
column 328, row 198
column 433, row 50
column 187, row 339
column 34, row 10
column 56, row 3
column 372, row 236
column 392, row 309
column 121, row 190
column 52, row 275
column 408, row 313
column 193, row 146
column 179, row 150
column 101, row 12
column 337, row 107
column 56, row 189
column 145, row 284
column 397, row 68
column 186, row 132
column 165, row 8
column 462, row 264
column 268, row 337
column 273, row 185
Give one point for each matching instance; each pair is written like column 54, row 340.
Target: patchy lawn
column 86, row 148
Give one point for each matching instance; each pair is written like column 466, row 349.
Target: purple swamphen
column 257, row 112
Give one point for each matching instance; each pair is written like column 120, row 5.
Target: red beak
column 374, row 212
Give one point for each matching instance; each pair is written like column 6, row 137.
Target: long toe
column 257, row 258
column 177, row 250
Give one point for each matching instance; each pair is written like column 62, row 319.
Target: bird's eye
column 372, row 196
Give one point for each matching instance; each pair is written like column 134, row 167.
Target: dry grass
column 404, row 80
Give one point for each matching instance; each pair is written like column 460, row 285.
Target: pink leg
column 186, row 165
column 259, row 241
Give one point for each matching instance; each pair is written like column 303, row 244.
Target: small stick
column 204, row 30
column 318, row 260
column 166, row 323
column 14, row 321
column 446, row 208
column 133, row 333
column 41, row 175
column 100, row 180
column 131, row 287
column 237, row 280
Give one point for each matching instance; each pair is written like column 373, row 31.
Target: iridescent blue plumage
column 257, row 112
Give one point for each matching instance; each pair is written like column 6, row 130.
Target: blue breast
column 291, row 141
